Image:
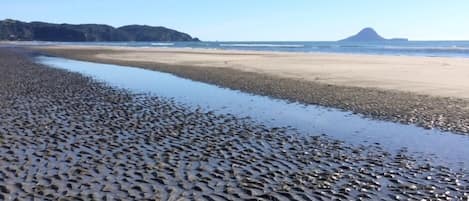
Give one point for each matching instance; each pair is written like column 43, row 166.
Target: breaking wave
column 162, row 44
column 263, row 45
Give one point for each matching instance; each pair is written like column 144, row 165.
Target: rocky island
column 369, row 35
column 14, row 30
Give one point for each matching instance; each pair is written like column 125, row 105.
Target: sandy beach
column 414, row 90
column 234, row 100
column 446, row 77
column 65, row 136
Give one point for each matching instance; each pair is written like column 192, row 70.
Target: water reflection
column 450, row 149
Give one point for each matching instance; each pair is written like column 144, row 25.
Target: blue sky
column 261, row 20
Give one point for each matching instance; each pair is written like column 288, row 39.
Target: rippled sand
column 64, row 136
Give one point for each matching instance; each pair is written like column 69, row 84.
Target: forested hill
column 41, row 31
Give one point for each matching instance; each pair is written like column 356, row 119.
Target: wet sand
column 65, row 136
column 423, row 93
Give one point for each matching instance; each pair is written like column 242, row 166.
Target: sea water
column 407, row 48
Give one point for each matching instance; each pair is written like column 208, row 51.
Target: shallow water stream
column 443, row 147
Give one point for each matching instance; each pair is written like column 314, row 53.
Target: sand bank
column 446, row 77
column 350, row 82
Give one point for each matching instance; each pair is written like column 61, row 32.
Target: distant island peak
column 368, row 34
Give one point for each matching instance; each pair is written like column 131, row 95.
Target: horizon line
column 169, row 27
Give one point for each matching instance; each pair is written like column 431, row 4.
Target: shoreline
column 67, row 136
column 397, row 106
column 197, row 49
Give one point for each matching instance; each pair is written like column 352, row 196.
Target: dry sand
column 447, row 77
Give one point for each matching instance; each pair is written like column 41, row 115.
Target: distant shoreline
column 300, row 77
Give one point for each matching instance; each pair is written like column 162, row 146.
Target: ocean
column 407, row 48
